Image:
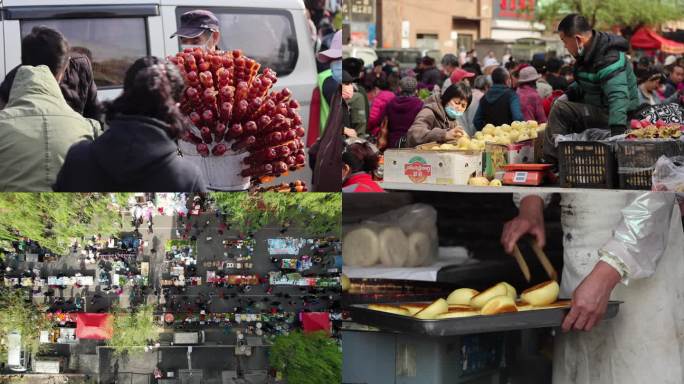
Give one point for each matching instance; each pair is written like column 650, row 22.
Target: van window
column 267, row 36
column 112, row 44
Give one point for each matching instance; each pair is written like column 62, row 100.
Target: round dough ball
column 420, row 249
column 393, row 247
column 361, row 247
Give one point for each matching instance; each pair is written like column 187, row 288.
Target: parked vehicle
column 406, row 57
column 366, row 54
column 45, row 364
column 185, row 338
column 17, row 356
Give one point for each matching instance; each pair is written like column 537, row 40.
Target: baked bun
column 420, row 248
column 361, row 247
column 414, row 308
column 389, row 309
column 541, row 294
column 456, row 313
column 461, row 296
column 433, row 310
column 394, row 245
column 499, row 304
column 478, row 301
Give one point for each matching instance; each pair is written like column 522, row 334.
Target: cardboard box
column 446, row 167
column 498, row 155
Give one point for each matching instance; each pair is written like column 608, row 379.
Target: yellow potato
column 510, row 290
column 495, row 183
column 461, row 296
column 482, row 298
column 499, row 304
column 463, row 141
column 478, row 181
column 532, row 123
column 345, row 282
column 488, row 129
column 479, row 135
column 474, row 146
column 489, row 138
column 433, row 310
column 541, row 294
column 523, row 137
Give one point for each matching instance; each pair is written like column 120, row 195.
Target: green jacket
column 357, row 110
column 604, row 77
column 37, row 127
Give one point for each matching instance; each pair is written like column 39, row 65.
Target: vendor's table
column 503, row 189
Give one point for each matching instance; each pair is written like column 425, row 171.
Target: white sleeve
column 641, row 237
column 518, row 197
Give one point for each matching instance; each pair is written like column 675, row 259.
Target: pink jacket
column 531, row 104
column 377, row 110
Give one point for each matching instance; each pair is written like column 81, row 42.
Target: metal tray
column 539, row 318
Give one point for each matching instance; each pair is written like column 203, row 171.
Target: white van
column 117, row 32
column 16, row 355
column 188, row 337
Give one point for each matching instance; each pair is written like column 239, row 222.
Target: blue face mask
column 336, row 68
column 452, row 113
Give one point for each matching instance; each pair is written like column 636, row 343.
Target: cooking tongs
column 548, row 267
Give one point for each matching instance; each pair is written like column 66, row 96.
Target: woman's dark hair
column 360, row 157
column 381, row 83
column 644, row 75
column 45, row 46
column 152, row 88
column 456, row 91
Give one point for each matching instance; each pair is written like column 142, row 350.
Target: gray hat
column 194, row 23
column 408, row 84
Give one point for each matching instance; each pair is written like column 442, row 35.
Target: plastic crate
column 586, row 164
column 636, row 160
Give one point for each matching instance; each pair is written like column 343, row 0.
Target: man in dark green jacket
column 605, row 91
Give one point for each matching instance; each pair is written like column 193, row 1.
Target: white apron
column 644, row 344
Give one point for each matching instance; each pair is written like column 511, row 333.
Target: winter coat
column 37, row 127
column 431, row 123
column 604, row 78
column 493, row 96
column 134, row 154
column 531, row 104
column 361, row 182
column 377, row 111
column 401, row 112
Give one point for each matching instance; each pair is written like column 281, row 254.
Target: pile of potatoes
column 466, row 302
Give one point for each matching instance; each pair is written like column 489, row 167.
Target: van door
column 113, row 36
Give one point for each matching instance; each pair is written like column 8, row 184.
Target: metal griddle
column 539, row 318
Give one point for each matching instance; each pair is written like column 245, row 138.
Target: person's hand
column 590, row 299
column 454, row 133
column 349, row 132
column 530, row 220
column 347, row 91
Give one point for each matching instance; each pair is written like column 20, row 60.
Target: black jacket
column 133, row 155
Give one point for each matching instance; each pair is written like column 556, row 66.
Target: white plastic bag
column 668, row 175
column 404, row 237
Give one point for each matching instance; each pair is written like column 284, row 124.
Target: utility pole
column 378, row 22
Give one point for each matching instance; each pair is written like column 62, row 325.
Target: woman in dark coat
column 138, row 151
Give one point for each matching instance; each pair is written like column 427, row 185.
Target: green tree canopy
column 316, row 213
column 52, row 219
column 19, row 314
column 133, row 330
column 307, row 358
column 605, row 14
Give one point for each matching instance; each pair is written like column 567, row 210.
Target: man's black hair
column 574, row 24
column 500, row 75
column 45, row 46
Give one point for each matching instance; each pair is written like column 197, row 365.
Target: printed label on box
column 417, row 169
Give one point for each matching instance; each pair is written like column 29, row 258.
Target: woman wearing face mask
column 359, row 161
column 437, row 121
column 199, row 29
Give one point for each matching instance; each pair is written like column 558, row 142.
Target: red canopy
column 648, row 39
column 97, row 326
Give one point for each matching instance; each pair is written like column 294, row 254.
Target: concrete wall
column 435, row 17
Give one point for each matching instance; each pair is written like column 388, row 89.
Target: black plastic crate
column 586, row 164
column 636, row 160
